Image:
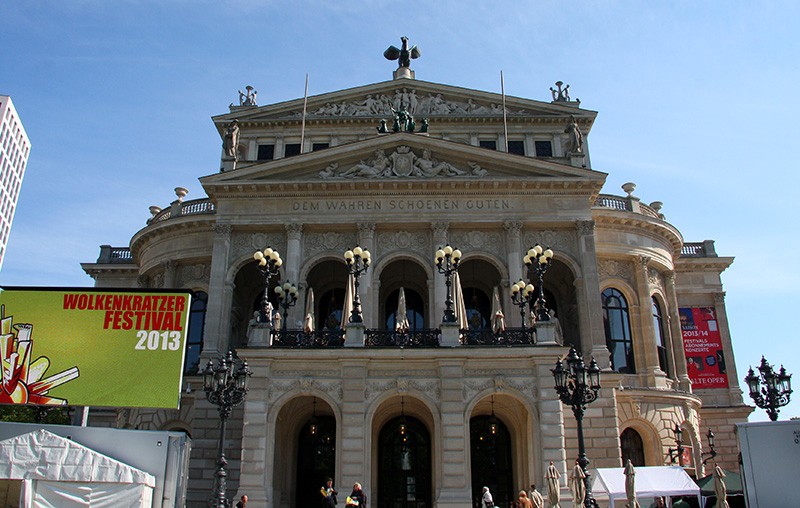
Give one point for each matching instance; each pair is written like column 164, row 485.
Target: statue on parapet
column 248, row 98
column 562, row 94
column 404, row 54
column 230, row 140
column 574, row 136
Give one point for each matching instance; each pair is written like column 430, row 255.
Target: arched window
column 630, row 442
column 661, row 343
column 194, row 340
column 618, row 331
column 414, row 309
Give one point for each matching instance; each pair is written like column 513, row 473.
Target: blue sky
column 696, row 105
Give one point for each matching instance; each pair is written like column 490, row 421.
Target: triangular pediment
column 406, row 159
column 422, row 98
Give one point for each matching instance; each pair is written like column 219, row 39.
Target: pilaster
column 513, row 261
column 291, row 266
column 454, row 489
column 170, row 272
column 593, row 337
column 217, row 313
column 439, row 237
column 681, row 370
column 727, row 349
column 369, row 303
column 255, row 474
column 646, row 348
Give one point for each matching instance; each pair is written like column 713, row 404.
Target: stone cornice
column 180, row 226
column 714, row 264
column 637, row 223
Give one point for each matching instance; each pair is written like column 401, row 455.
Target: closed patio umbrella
column 308, row 324
column 630, row 485
column 459, row 307
column 497, row 317
column 401, row 316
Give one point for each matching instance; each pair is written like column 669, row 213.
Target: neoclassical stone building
column 425, row 418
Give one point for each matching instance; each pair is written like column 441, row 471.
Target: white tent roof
column 42, row 455
column 652, row 481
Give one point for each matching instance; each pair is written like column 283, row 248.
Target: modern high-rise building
column 14, row 150
column 428, row 388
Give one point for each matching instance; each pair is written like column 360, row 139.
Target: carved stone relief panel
column 613, row 268
column 245, row 244
column 481, row 380
column 487, row 241
column 391, row 241
column 157, row 280
column 655, row 278
column 305, row 384
column 402, row 384
column 196, row 275
column 330, row 241
column 558, row 240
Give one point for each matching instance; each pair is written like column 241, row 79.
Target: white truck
column 770, row 462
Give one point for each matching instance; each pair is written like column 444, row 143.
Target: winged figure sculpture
column 403, row 54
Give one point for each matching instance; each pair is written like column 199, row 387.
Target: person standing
column 242, row 503
column 357, row 497
column 523, row 501
column 487, row 500
column 328, row 494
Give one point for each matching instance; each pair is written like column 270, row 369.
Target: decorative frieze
column 304, row 384
column 402, row 384
column 518, row 380
column 487, row 241
column 329, row 241
column 244, row 244
column 389, row 242
column 558, row 240
column 196, row 275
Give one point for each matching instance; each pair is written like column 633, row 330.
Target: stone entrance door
column 404, row 465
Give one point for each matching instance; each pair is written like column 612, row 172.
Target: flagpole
column 303, row 125
column 505, row 118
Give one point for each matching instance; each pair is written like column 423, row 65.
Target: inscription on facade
column 412, row 205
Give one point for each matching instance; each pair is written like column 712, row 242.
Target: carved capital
column 669, row 277
column 440, row 229
column 169, row 265
column 293, row 229
column 585, row 227
column 643, row 262
column 366, row 229
column 719, row 297
column 223, row 230
column 512, row 227
column 142, row 281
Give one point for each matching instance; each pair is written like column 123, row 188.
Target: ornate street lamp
column 357, row 263
column 447, row 260
column 712, row 452
column 522, row 295
column 539, row 260
column 677, row 452
column 287, row 297
column 775, row 393
column 269, row 263
column 577, row 385
column 225, row 385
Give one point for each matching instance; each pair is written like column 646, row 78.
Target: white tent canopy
column 59, row 472
column 653, row 481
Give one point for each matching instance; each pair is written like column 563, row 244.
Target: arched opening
column 328, row 279
column 406, row 274
column 618, row 331
column 302, row 458
column 404, row 464
column 478, row 280
column 491, row 454
column 316, row 458
column 632, row 447
column 247, row 297
column 561, row 297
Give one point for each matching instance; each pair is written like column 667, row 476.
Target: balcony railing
column 301, row 339
column 114, row 255
column 391, row 338
column 626, row 204
column 508, row 337
column 704, row 249
column 183, row 208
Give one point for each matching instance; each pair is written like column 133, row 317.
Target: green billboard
column 93, row 347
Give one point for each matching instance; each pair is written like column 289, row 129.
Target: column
column 514, row 262
column 439, row 287
column 369, row 293
column 727, row 348
column 593, row 335
column 646, row 351
column 170, row 275
column 677, row 337
column 291, row 267
column 217, row 313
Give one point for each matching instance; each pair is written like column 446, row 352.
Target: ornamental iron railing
column 302, row 339
column 391, row 338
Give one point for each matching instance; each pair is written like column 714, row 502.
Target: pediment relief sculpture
column 418, row 105
column 403, row 162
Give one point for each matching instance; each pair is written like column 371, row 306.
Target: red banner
column 703, row 346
